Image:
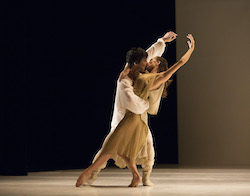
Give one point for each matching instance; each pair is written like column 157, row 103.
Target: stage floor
column 114, row 181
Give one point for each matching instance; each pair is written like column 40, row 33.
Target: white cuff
column 161, row 40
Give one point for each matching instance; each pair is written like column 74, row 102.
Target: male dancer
column 137, row 105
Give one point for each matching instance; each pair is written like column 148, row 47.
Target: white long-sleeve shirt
column 125, row 97
column 156, row 49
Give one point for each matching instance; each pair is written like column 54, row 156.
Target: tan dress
column 129, row 137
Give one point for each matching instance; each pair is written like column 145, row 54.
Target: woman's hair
column 135, row 55
column 163, row 66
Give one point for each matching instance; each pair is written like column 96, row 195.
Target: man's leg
column 148, row 165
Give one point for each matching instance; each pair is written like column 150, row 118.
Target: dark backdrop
column 59, row 67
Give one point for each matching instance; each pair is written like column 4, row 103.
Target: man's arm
column 158, row 48
column 130, row 100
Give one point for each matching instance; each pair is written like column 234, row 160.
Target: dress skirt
column 128, row 138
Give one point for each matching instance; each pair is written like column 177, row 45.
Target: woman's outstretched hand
column 191, row 41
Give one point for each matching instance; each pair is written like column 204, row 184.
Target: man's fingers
column 170, row 34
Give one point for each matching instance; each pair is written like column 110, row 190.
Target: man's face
column 152, row 64
column 142, row 64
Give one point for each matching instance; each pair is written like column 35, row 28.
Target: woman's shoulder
column 143, row 83
column 146, row 76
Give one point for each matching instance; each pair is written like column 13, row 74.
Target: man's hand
column 169, row 36
column 125, row 72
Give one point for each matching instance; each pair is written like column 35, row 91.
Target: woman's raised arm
column 166, row 75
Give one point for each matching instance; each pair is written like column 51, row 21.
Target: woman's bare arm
column 166, row 75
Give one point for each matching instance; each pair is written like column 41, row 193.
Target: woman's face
column 152, row 64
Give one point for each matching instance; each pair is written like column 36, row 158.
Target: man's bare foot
column 135, row 181
column 83, row 177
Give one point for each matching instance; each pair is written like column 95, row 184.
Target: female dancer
column 130, row 135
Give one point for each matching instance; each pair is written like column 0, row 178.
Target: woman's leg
column 132, row 167
column 87, row 172
column 95, row 173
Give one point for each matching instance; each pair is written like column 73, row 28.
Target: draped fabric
column 129, row 137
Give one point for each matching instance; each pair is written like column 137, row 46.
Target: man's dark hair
column 135, row 55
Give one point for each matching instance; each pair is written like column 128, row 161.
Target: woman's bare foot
column 135, row 181
column 83, row 177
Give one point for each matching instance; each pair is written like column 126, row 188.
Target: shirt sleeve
column 156, row 49
column 130, row 100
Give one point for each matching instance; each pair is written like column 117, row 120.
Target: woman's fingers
column 190, row 36
column 191, row 42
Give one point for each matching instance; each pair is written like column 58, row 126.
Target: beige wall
column 213, row 88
